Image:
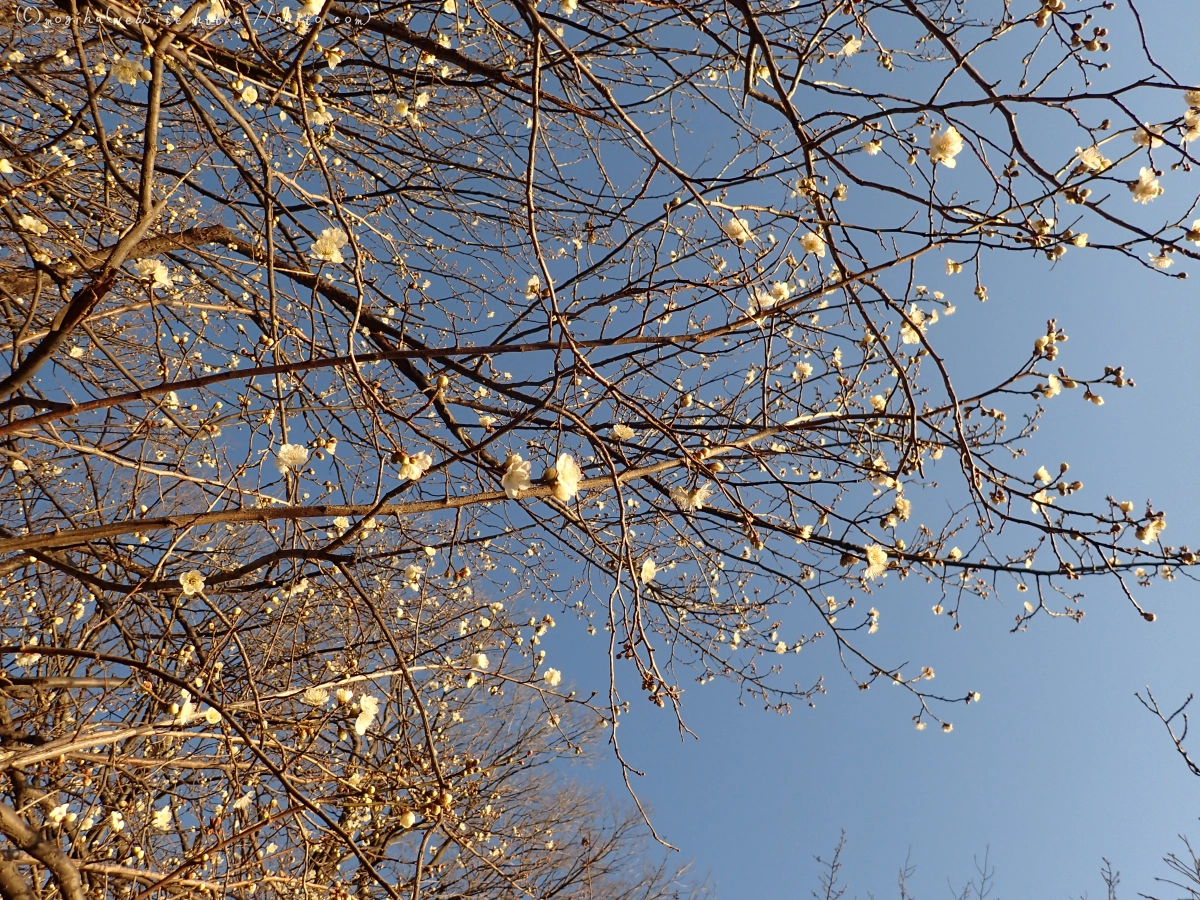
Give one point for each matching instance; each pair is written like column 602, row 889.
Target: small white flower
column 1146, row 188
column 813, row 243
column 344, row 695
column 162, row 818
column 328, row 246
column 1091, row 159
column 872, row 148
column 552, row 677
column 1146, row 136
column 565, row 477
column 649, row 570
column 944, row 145
column 368, row 709
column 479, row 661
column 192, row 582
column 853, row 45
column 154, row 271
column 129, row 71
column 516, row 476
column 622, row 432
column 737, row 230
column 116, row 821
column 5, row 167
column 877, row 560
column 291, row 457
column 413, row 467
column 249, row 95
column 58, row 814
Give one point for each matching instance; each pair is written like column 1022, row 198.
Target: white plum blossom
column 853, row 45
column 315, row 696
column 328, row 246
column 415, row 466
column 872, row 148
column 5, row 166
column 737, row 230
column 552, row 677
column 479, row 661
column 154, row 271
column 813, row 243
column 944, row 145
column 116, row 821
column 249, row 95
column 565, row 477
column 291, row 458
column 192, row 583
column 622, row 432
column 1146, row 188
column 877, row 560
column 1147, row 136
column 516, row 477
column 129, row 71
column 649, row 570
column 1091, row 159
column 368, row 708
column 690, row 500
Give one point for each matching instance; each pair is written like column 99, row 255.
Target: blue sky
column 1059, row 764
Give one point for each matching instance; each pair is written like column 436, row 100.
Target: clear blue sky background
column 1059, row 764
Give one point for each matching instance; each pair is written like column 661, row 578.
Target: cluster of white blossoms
column 192, row 583
column 944, row 145
column 328, row 246
column 516, row 477
column 813, row 243
column 368, row 708
column 291, row 458
column 564, row 477
column 33, row 225
column 415, row 466
column 154, row 271
column 1146, row 188
column 737, row 230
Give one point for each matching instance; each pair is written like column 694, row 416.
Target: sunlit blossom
column 565, row 477
column 328, row 246
column 192, row 582
column 1146, row 188
column 813, row 243
column 944, row 145
column 291, row 458
column 516, row 477
column 414, row 466
column 737, row 230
